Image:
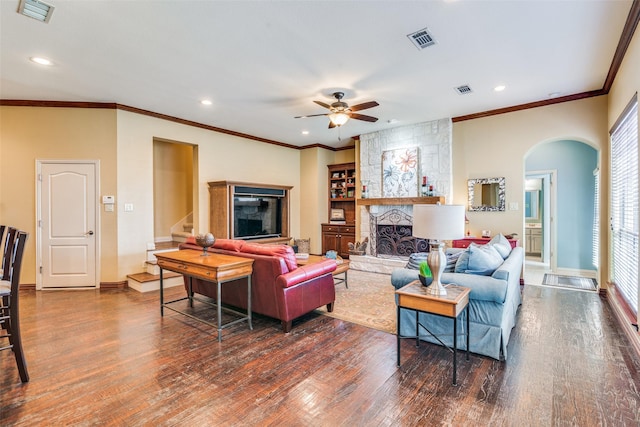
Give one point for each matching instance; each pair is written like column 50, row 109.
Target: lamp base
column 437, row 261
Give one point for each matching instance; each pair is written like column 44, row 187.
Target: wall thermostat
column 108, row 200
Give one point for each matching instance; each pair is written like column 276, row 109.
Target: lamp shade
column 438, row 222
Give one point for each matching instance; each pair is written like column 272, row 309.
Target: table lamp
column 437, row 223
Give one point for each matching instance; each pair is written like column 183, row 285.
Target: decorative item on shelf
column 425, row 275
column 466, row 222
column 486, row 233
column 304, row 245
column 358, row 248
column 438, row 223
column 425, row 187
column 206, row 241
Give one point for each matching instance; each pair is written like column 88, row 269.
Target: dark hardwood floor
column 107, row 358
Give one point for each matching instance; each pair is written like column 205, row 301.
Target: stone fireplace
column 387, row 225
column 392, row 235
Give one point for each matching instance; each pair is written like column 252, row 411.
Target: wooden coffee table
column 342, row 268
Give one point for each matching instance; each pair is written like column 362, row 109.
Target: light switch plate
column 128, row 207
column 513, row 206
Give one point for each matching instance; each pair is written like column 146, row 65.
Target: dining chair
column 10, row 310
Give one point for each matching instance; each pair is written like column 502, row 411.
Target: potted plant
column 425, row 275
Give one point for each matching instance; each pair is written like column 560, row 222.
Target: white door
column 67, row 206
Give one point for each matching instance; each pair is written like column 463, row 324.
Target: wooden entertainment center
column 222, row 207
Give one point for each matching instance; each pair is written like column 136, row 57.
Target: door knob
column 89, row 233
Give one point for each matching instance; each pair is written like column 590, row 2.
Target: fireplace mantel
column 401, row 201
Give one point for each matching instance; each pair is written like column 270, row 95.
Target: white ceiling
column 263, row 62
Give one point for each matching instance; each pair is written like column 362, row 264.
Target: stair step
column 187, row 227
column 180, row 237
column 145, row 282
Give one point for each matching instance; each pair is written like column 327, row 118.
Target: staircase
column 149, row 280
column 183, row 229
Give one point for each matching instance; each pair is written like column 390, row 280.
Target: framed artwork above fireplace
column 400, row 172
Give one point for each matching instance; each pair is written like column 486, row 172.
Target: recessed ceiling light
column 499, row 88
column 305, row 132
column 40, row 60
column 554, row 94
column 206, row 102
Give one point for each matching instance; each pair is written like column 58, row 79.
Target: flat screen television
column 257, row 213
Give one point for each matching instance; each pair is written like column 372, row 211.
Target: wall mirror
column 486, row 194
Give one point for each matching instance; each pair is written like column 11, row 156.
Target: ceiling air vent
column 422, row 38
column 35, row 9
column 463, row 90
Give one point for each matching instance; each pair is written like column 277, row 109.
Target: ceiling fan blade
column 363, row 117
column 310, row 115
column 364, row 106
column 331, row 124
column 322, row 104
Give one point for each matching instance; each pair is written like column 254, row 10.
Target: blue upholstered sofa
column 493, row 305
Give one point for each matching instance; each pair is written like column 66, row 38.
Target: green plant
column 424, row 269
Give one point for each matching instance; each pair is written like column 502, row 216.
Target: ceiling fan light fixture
column 338, row 118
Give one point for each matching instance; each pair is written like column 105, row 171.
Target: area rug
column 571, row 282
column 369, row 301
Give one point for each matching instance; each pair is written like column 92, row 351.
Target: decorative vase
column 425, row 280
column 206, row 241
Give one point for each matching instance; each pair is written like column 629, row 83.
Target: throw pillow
column 452, row 260
column 483, row 259
column 502, row 245
column 463, row 262
column 415, row 259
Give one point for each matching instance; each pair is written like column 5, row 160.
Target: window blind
column 624, row 204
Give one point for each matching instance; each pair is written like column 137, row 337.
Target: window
column 624, row 204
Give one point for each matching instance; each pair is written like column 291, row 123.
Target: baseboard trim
column 114, row 285
column 623, row 318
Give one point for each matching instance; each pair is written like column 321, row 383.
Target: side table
column 414, row 297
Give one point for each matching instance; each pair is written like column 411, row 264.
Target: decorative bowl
column 206, row 241
column 426, row 281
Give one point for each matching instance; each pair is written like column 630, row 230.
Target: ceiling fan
column 340, row 112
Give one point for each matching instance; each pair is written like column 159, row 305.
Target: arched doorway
column 561, row 208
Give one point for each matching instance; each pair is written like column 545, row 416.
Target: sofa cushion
column 415, row 259
column 282, row 251
column 452, row 261
column 462, row 264
column 483, row 259
column 232, row 245
column 502, row 245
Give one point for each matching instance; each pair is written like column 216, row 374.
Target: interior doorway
column 561, row 204
column 175, row 188
column 67, row 214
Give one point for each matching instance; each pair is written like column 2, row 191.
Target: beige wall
column 496, row 146
column 626, row 84
column 314, row 200
column 220, row 157
column 28, row 134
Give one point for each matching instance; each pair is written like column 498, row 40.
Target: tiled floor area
column 534, row 271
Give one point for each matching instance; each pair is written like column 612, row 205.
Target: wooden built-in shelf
column 401, row 201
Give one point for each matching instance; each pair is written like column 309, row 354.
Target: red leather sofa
column 279, row 287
